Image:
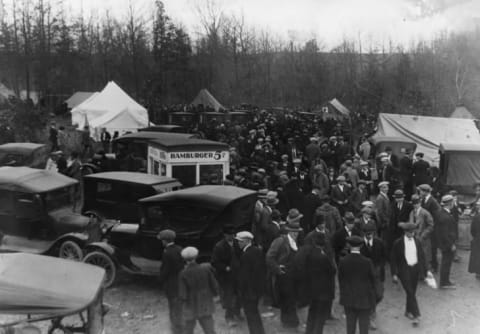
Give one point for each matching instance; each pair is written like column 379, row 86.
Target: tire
column 70, row 250
column 101, row 259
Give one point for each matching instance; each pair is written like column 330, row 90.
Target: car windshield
column 58, row 198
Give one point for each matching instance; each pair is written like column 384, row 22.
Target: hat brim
column 294, row 220
column 273, row 202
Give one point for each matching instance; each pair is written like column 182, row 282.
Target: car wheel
column 100, row 259
column 70, row 250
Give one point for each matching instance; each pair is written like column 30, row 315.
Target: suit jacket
column 252, row 273
column 357, row 282
column 314, row 275
column 198, row 286
column 339, row 242
column 172, row 265
column 321, row 182
column 398, row 262
column 431, row 205
column 273, row 232
column 406, row 169
column 399, row 215
column 420, row 171
column 384, row 213
column 311, row 237
column 331, row 216
column 377, row 254
column 278, row 254
column 357, row 198
column 338, row 195
column 424, row 221
column 445, row 230
column 310, row 204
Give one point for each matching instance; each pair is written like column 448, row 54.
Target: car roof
column 161, row 127
column 459, row 147
column 23, row 148
column 148, row 135
column 212, row 196
column 26, row 285
column 188, row 144
column 133, row 177
column 31, row 180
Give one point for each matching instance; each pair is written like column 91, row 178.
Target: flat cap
column 447, row 198
column 383, row 155
column 349, row 216
column 407, row 226
column 425, row 187
column 367, row 203
column 383, row 183
column 355, row 240
column 419, row 154
column 244, row 235
column 189, row 253
column 166, row 235
column 416, row 199
column 398, row 193
column 341, row 178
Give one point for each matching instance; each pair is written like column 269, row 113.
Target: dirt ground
column 138, row 306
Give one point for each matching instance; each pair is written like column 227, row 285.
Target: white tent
column 428, row 132
column 112, row 109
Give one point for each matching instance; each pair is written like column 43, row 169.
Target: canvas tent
column 333, row 109
column 204, row 97
column 428, row 132
column 78, row 98
column 112, row 109
column 462, row 112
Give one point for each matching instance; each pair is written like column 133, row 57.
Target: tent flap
column 428, row 132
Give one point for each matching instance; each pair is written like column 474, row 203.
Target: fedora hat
column 398, row 193
column 294, row 216
column 271, row 198
column 293, row 227
column 407, row 226
column 355, row 241
column 425, row 187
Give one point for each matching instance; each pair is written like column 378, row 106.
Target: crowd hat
column 383, row 155
column 355, row 241
column 189, row 253
column 244, row 235
column 416, row 199
column 293, row 226
column 398, row 193
column 167, row 235
column 367, row 204
column 419, row 154
column 425, row 187
column 341, row 178
column 294, row 216
column 297, row 161
column 363, row 163
column 383, row 183
column 408, row 227
column 369, row 228
column 447, row 199
column 349, row 217
column 262, row 193
column 271, row 198
column 367, row 209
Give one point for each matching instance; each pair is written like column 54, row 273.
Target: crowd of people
column 315, row 224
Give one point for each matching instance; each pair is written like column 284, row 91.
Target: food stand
column 191, row 161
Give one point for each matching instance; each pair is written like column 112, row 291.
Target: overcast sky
column 373, row 21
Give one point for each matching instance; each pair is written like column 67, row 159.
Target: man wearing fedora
column 359, row 195
column 356, row 277
column 172, row 265
column 280, row 260
column 251, row 275
column 316, row 281
column 340, row 194
column 445, row 231
column 339, row 238
column 400, row 213
column 408, row 264
column 260, row 232
column 225, row 262
column 374, row 249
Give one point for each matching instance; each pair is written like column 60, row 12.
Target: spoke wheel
column 70, row 250
column 100, row 259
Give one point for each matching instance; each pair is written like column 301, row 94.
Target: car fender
column 81, row 238
column 102, row 246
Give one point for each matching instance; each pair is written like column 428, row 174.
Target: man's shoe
column 416, row 322
column 409, row 315
column 450, row 286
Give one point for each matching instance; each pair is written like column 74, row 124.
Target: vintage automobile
column 36, row 214
column 164, row 128
column 24, row 154
column 198, row 215
column 41, row 294
column 115, row 195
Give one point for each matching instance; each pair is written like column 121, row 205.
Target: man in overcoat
column 172, row 265
column 356, row 277
column 445, row 231
column 251, row 275
column 198, row 287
